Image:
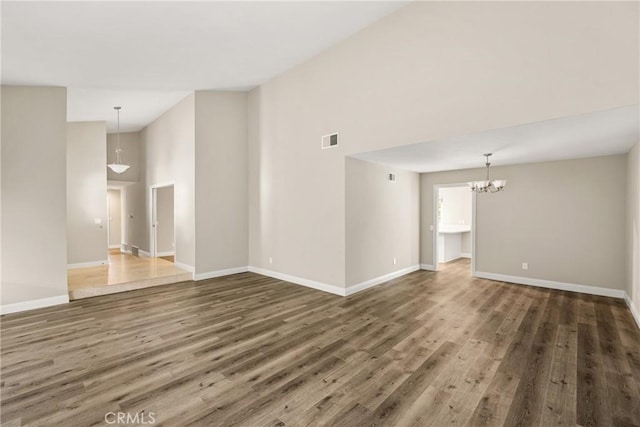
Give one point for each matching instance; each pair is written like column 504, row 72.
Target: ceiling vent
column 330, row 141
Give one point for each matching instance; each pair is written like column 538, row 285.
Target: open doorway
column 114, row 224
column 162, row 224
column 454, row 242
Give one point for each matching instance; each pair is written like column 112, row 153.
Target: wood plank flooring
column 427, row 349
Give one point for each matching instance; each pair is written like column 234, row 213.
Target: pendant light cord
column 118, row 150
column 487, row 164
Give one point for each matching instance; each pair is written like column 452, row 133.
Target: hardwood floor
column 425, row 349
column 124, row 273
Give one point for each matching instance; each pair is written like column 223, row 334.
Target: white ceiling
column 587, row 135
column 146, row 56
column 139, row 108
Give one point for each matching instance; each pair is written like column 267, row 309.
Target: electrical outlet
column 395, row 261
column 431, row 228
column 525, row 265
column 270, row 260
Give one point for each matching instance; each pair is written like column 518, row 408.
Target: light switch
column 97, row 221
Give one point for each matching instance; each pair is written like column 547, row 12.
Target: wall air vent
column 330, row 141
column 392, row 177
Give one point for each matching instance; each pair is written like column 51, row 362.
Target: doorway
column 114, row 224
column 128, row 269
column 454, row 229
column 162, row 222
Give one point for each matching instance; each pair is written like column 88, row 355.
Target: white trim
column 115, row 246
column 634, row 311
column 189, row 268
column 434, row 234
column 87, row 264
column 427, row 267
column 169, row 253
column 33, row 304
column 332, row 289
column 220, row 273
column 561, row 286
column 380, row 279
column 152, row 213
column 465, row 255
column 143, row 253
column 474, row 204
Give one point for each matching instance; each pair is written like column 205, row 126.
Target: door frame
column 436, row 197
column 153, row 215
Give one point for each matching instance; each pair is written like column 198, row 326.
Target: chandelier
column 118, row 166
column 487, row 186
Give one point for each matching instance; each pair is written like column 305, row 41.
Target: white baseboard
column 144, row 253
column 571, row 287
column 220, row 273
column 427, row 267
column 189, row 268
column 380, row 279
column 633, row 308
column 332, row 289
column 30, row 305
column 115, row 246
column 465, row 255
column 87, row 264
column 170, row 253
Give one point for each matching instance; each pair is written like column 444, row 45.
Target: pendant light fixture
column 118, row 166
column 487, row 186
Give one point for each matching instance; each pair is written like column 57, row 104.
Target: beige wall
column 168, row 147
column 565, row 218
column 165, row 221
column 86, row 192
column 258, row 250
column 34, row 140
column 221, row 181
column 430, row 71
column 115, row 217
column 130, row 145
column 633, row 228
column 382, row 221
column 134, row 221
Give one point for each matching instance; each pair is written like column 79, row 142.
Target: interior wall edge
column 33, row 304
column 220, row 273
column 634, row 312
column 550, row 284
column 381, row 279
column 332, row 289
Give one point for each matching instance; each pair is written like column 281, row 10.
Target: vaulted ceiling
column 146, row 56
